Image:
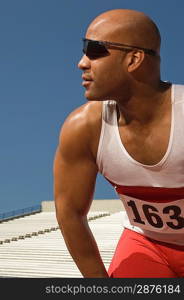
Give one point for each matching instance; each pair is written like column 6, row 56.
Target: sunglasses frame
column 112, row 45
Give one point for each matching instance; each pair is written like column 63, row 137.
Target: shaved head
column 119, row 73
column 127, row 27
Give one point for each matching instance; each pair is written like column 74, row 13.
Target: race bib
column 159, row 217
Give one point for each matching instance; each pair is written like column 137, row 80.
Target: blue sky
column 40, row 46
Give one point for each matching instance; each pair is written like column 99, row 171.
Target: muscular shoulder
column 81, row 129
column 86, row 115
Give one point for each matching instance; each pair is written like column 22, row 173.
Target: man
column 131, row 131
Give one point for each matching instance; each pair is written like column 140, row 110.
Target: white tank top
column 153, row 195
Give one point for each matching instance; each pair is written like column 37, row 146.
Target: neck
column 145, row 104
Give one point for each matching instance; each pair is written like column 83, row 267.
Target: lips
column 86, row 77
column 86, row 80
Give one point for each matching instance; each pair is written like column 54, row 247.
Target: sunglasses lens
column 94, row 49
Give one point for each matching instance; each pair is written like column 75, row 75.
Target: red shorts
column 137, row 256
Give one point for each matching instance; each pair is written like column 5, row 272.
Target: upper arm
column 75, row 169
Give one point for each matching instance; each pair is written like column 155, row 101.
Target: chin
column 90, row 96
column 96, row 97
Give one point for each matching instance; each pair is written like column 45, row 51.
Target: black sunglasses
column 96, row 49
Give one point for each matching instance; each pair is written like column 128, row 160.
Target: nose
column 84, row 63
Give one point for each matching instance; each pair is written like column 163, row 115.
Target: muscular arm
column 75, row 174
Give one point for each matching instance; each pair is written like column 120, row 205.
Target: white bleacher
column 35, row 223
column 44, row 254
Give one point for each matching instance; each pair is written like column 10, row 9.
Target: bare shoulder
column 81, row 129
column 86, row 115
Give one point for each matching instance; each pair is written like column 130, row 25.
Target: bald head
column 127, row 27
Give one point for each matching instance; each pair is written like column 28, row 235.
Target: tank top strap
column 110, row 112
column 177, row 93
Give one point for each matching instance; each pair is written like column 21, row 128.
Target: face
column 103, row 76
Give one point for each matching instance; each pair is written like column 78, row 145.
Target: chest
column 147, row 145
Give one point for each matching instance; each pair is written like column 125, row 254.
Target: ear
column 136, row 57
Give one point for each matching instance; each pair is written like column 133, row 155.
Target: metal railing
column 19, row 212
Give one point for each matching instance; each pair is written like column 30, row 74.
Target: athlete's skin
column 133, row 80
